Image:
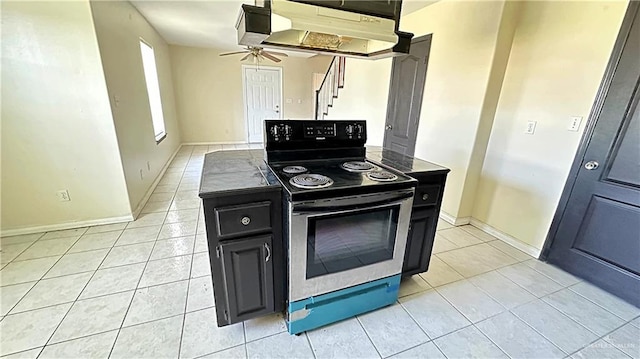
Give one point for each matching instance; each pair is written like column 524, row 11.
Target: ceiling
column 211, row 23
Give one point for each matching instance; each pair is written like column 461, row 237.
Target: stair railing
column 328, row 90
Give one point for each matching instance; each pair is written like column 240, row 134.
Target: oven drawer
column 426, row 195
column 243, row 219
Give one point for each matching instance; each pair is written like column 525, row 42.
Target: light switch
column 531, row 127
column 289, row 100
column 299, row 100
column 574, row 124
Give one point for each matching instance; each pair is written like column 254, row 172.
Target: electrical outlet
column 148, row 166
column 531, row 127
column 141, row 175
column 574, row 124
column 116, row 100
column 63, row 195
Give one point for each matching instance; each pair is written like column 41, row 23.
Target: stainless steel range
column 347, row 220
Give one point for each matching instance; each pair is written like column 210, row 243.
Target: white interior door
column 262, row 98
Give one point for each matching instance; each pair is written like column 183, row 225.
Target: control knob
column 349, row 129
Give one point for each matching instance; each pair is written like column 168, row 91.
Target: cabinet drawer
column 242, row 219
column 427, row 195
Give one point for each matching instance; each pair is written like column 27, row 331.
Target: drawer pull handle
column 266, row 246
column 245, row 220
column 425, row 196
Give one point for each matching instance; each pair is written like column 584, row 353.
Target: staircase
column 328, row 90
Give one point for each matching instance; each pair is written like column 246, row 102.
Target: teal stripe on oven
column 324, row 309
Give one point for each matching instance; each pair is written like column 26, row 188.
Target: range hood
column 310, row 26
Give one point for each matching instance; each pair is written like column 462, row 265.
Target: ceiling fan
column 258, row 54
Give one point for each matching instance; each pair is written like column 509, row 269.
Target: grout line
column 589, row 299
column 504, row 309
column 43, row 275
column 309, row 344
column 490, row 340
column 83, row 288
column 135, row 290
column 186, row 303
column 538, row 332
column 368, row 337
column 244, row 340
column 218, row 351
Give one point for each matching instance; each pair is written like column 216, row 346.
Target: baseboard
column 455, row 221
column 68, row 225
column 147, row 195
column 530, row 250
column 214, row 143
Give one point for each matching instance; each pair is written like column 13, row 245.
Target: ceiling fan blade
column 245, row 57
column 234, row 53
column 281, row 54
column 270, row 57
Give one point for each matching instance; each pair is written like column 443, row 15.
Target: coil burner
column 310, row 180
column 381, row 176
column 294, row 170
column 357, row 166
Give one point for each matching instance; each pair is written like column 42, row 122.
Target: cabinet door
column 248, row 277
column 389, row 9
column 422, row 230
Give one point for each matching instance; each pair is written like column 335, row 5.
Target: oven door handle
column 304, row 209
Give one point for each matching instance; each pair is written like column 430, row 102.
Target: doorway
column 262, row 87
column 408, row 76
column 595, row 233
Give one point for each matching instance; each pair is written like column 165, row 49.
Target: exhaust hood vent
column 298, row 26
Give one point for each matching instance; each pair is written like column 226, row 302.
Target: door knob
column 388, row 127
column 591, row 165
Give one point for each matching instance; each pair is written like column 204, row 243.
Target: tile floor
column 143, row 289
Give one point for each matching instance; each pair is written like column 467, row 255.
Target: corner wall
column 57, row 131
column 559, row 54
column 463, row 47
column 364, row 96
column 119, row 27
column 209, row 98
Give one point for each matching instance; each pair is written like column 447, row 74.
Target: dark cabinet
column 424, row 220
column 244, row 233
column 389, row 9
column 248, row 277
column 422, row 230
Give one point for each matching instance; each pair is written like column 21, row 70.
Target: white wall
column 463, row 46
column 57, row 131
column 559, row 54
column 493, row 66
column 208, row 91
column 119, row 27
column 462, row 54
column 364, row 96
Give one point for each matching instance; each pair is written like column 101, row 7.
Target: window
column 153, row 90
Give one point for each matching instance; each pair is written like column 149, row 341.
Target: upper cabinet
column 383, row 8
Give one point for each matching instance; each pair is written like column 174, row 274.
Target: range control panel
column 315, row 134
column 320, row 130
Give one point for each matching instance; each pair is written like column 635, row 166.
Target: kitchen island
column 243, row 206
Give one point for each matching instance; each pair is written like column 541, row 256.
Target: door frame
column 414, row 40
column 245, row 67
column 596, row 110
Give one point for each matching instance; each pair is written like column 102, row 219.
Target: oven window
column 350, row 240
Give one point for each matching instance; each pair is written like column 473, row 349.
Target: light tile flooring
column 143, row 289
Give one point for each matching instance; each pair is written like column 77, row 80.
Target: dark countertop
column 235, row 171
column 405, row 164
column 245, row 171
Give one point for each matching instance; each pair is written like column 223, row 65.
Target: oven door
column 341, row 242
